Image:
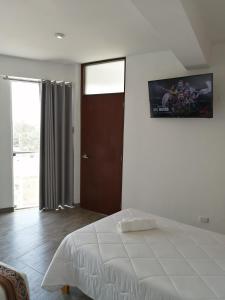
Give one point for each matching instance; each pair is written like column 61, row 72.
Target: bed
column 173, row 262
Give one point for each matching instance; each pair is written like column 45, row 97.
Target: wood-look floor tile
column 29, row 239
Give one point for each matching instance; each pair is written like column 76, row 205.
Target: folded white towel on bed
column 136, row 224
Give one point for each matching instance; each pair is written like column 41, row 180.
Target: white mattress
column 173, row 262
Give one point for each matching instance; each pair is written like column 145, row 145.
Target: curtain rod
column 14, row 78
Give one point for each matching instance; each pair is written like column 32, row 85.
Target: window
column 26, row 142
column 105, row 78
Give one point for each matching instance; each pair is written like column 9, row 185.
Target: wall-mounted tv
column 184, row 97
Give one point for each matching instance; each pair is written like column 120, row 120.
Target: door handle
column 84, row 156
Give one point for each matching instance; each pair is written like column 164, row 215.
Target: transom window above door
column 104, row 77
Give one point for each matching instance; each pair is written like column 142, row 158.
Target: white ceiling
column 101, row 29
column 95, row 29
column 213, row 15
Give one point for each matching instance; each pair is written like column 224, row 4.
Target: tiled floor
column 28, row 240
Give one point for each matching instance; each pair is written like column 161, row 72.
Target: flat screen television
column 184, row 97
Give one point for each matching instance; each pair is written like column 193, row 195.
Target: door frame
column 82, row 95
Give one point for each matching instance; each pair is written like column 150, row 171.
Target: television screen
column 184, row 97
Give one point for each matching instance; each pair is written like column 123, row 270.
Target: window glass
column 104, row 78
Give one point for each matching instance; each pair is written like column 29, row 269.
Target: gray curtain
column 56, row 146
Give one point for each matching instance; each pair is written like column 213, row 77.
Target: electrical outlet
column 204, row 220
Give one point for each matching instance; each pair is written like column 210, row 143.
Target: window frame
column 83, row 67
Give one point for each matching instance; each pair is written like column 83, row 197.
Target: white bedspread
column 173, row 262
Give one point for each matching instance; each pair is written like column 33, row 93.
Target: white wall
column 174, row 167
column 31, row 69
column 6, row 198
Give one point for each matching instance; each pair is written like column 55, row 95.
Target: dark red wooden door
column 102, row 118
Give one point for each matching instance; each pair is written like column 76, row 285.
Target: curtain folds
column 56, row 146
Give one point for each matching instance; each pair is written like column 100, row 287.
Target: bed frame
column 66, row 289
